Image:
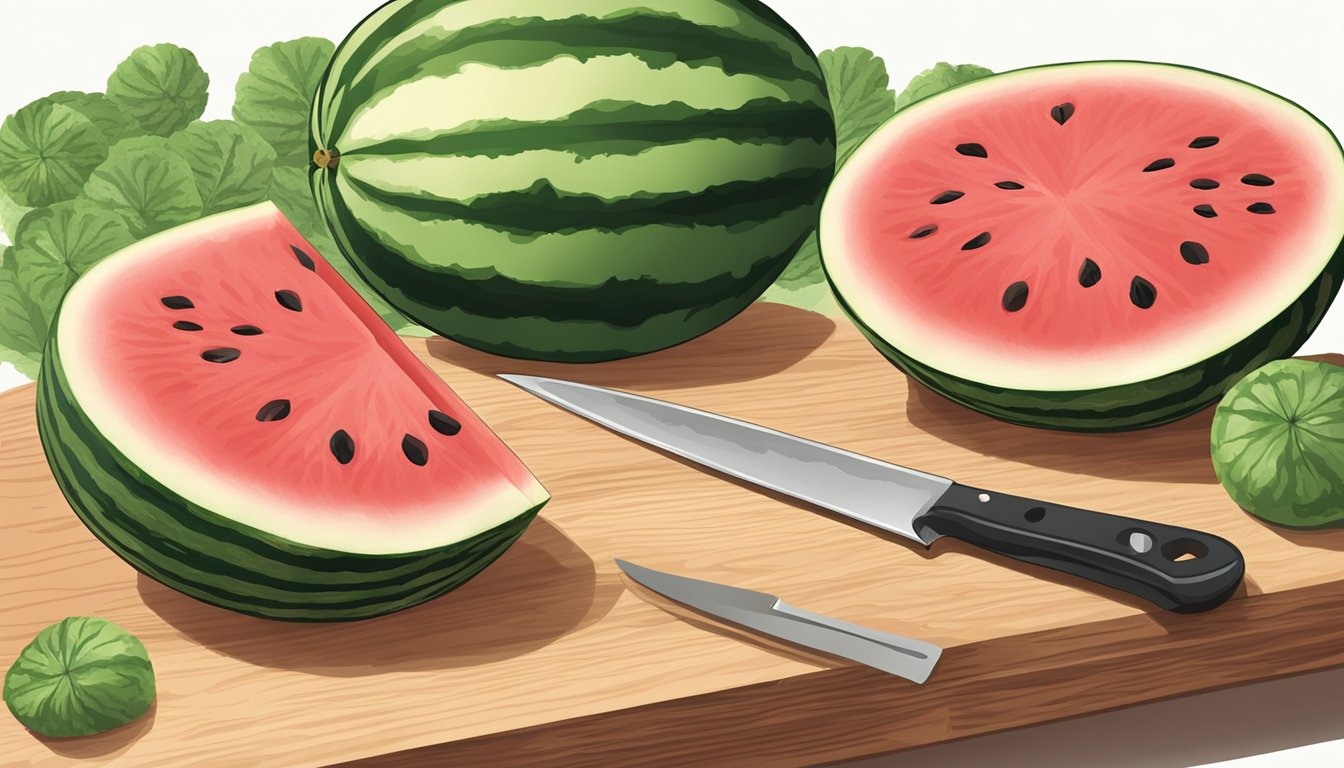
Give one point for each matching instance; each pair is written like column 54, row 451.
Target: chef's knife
column 1176, row 568
column 768, row 615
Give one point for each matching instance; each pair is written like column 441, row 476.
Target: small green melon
column 1278, row 443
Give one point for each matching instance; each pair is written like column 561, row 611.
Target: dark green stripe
column 624, row 128
column 543, row 209
column 516, row 43
column 622, row 303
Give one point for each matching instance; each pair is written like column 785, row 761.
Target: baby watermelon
column 225, row 413
column 1097, row 246
column 575, row 181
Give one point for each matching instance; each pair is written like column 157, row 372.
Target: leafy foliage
column 107, row 117
column 162, row 86
column 231, row 163
column 276, row 93
column 148, row 184
column 47, row 152
column 860, row 98
column 938, row 79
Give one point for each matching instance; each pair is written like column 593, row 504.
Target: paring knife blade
column 1179, row 569
column 768, row 615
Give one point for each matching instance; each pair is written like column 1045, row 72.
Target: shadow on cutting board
column 543, row 588
column 106, row 744
column 1174, row 453
column 765, row 339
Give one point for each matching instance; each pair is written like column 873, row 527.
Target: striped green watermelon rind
column 1132, row 406
column 578, row 275
column 222, row 562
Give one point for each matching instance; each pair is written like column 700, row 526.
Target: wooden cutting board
column 548, row 658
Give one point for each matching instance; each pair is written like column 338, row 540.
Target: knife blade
column 768, row 615
column 1176, row 568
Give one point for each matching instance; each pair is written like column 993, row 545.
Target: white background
column 1293, row 48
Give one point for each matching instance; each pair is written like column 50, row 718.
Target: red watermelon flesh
column 240, row 370
column 1083, row 227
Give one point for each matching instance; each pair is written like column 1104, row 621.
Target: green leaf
column 805, row 269
column 68, row 238
column 232, row 164
column 107, row 117
column 938, row 79
column 816, row 297
column 294, row 197
column 11, row 213
column 162, row 86
column 276, row 93
column 860, row 96
column 47, row 152
column 25, row 315
column 148, row 184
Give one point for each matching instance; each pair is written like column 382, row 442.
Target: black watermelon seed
column 443, row 423
column 1009, row 185
column 304, row 259
column 1089, row 274
column 947, row 197
column 415, row 451
column 221, row 355
column 1142, row 293
column 183, row 325
column 1260, row 208
column 972, row 150
column 923, row 232
column 1159, row 165
column 342, row 446
column 276, row 410
column 1015, row 298
column 246, row 330
column 1061, row 114
column 1204, row 184
column 289, row 300
column 1194, row 253
column 177, row 302
column 1206, row 211
column 979, row 241
column 1204, row 142
column 1257, row 180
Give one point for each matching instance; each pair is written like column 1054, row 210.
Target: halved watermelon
column 1094, row 246
column 224, row 412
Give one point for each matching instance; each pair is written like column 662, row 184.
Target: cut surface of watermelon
column 1087, row 227
column 230, row 363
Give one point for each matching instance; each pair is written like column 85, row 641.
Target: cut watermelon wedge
column 229, row 416
column 1095, row 246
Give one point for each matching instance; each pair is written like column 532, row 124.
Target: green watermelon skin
column 246, row 570
column 1135, row 406
column 661, row 205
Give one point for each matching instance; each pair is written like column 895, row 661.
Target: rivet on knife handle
column 1176, row 568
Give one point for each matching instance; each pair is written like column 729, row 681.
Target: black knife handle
column 1179, row 569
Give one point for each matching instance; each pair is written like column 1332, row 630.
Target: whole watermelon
column 575, row 181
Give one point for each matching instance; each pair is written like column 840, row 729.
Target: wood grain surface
column 547, row 658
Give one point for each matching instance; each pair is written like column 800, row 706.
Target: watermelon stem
column 326, row 159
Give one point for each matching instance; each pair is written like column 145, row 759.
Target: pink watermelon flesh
column 244, row 355
column 1083, row 226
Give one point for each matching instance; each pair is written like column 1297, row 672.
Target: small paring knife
column 768, row 615
column 1178, row 569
